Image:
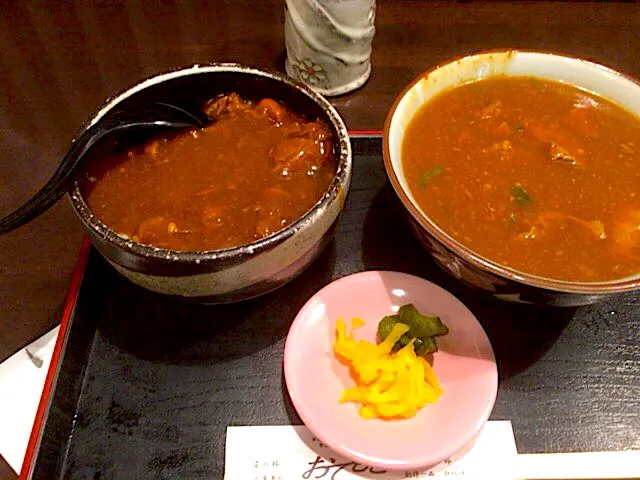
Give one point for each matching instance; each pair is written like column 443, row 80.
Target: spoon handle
column 165, row 116
column 55, row 187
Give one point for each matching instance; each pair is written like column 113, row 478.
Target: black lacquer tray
column 144, row 386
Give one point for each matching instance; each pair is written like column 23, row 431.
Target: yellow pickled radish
column 389, row 384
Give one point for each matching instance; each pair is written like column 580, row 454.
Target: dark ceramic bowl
column 243, row 272
column 456, row 259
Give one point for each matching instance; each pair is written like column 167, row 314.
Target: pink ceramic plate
column 464, row 364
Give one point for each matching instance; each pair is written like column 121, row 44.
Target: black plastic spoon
column 158, row 116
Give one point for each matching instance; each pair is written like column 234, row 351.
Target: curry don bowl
column 519, row 173
column 231, row 272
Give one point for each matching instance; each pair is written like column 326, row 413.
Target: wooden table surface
column 60, row 60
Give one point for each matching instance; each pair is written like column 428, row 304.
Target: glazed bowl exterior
column 456, row 259
column 233, row 274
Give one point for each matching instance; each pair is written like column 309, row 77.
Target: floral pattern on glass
column 310, row 72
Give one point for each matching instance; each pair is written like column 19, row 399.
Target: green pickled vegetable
column 430, row 345
column 421, row 325
column 422, row 328
column 404, row 340
column 386, row 325
column 418, row 344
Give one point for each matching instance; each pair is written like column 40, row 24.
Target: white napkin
column 22, row 379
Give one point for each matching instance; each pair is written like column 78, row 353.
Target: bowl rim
column 483, row 263
column 336, row 189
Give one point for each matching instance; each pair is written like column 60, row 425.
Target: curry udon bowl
column 238, row 273
column 453, row 256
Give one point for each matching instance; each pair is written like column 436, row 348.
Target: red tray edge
column 28, row 463
column 365, row 133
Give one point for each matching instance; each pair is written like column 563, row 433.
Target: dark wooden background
column 59, row 60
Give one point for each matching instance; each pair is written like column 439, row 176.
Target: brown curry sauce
column 536, row 175
column 255, row 169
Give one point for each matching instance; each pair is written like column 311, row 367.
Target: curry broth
column 256, row 169
column 534, row 174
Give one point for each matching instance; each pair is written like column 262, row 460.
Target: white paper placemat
column 293, row 453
